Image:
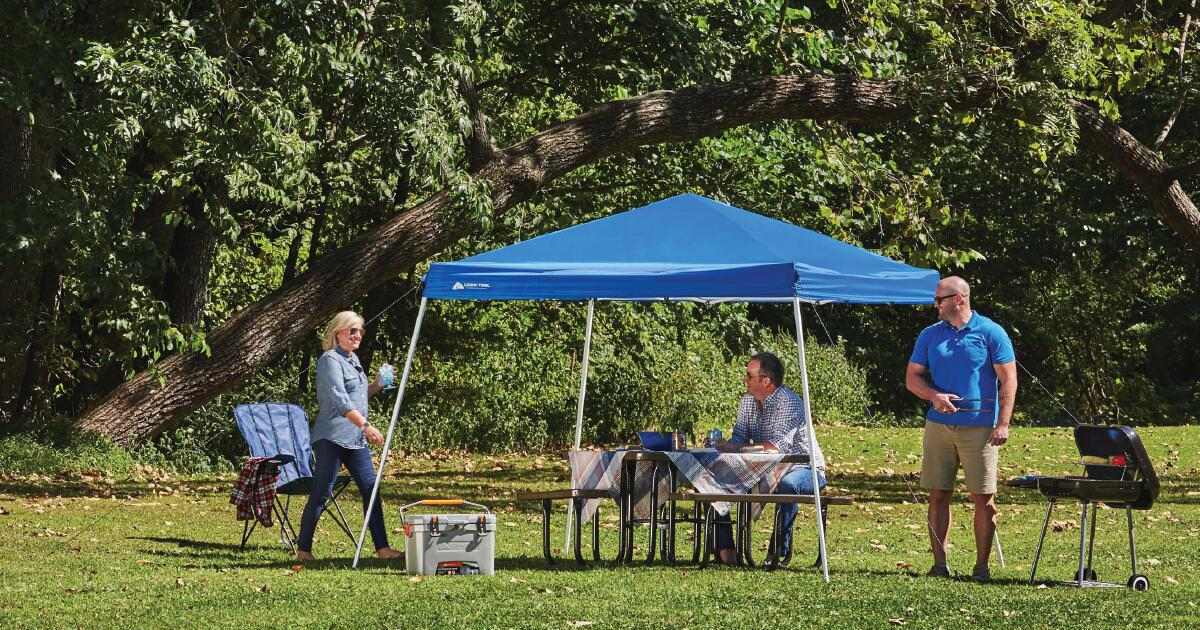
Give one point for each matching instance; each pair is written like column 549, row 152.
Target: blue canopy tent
column 686, row 247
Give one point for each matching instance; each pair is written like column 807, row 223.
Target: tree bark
column 190, row 265
column 150, row 401
column 1143, row 168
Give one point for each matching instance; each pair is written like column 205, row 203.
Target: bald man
column 965, row 367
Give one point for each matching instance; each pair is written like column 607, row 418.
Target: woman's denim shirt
column 341, row 386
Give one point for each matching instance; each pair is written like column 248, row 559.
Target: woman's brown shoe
column 387, row 553
column 304, row 556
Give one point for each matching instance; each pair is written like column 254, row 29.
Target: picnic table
column 643, row 481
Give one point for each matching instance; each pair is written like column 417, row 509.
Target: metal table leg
column 653, row 533
column 546, row 510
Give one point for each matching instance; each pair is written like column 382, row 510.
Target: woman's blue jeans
column 798, row 481
column 330, row 458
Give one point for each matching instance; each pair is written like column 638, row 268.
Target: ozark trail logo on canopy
column 459, row 286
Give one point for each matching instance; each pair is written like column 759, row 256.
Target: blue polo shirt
column 960, row 362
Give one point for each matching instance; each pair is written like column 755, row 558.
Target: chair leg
column 247, row 529
column 339, row 518
column 697, row 534
column 287, row 535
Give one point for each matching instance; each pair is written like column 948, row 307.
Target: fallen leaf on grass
column 416, row 578
column 296, row 568
column 517, row 580
column 4, row 512
column 1171, row 580
column 900, row 564
column 897, row 621
column 265, row 588
column 178, row 581
column 579, row 624
column 1152, row 561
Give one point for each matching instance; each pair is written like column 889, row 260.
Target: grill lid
column 1114, row 443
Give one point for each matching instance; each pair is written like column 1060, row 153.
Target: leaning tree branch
column 1141, row 166
column 149, row 402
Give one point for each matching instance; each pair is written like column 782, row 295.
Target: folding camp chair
column 274, row 429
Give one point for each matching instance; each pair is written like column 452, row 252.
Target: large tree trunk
column 142, row 406
column 189, row 268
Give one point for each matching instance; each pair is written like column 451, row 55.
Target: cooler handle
column 442, row 503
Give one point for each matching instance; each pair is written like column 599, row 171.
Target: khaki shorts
column 944, row 446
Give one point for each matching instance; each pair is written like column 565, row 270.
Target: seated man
column 772, row 415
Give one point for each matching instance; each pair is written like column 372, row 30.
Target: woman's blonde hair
column 340, row 322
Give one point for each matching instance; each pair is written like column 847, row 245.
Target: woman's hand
column 373, row 435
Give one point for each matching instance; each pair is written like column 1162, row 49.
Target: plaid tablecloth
column 602, row 470
column 735, row 473
column 705, row 469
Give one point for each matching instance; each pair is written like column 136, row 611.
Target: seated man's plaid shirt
column 779, row 421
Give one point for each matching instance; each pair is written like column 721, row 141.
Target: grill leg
column 1132, row 545
column 1037, row 555
column 1082, row 541
column 1091, row 545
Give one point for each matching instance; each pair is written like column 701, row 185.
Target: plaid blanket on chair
column 254, row 492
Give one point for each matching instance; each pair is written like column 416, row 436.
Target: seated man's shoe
column 726, row 556
column 981, row 573
column 304, row 556
column 777, row 560
column 938, row 570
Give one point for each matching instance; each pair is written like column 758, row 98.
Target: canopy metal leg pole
column 583, row 372
column 387, row 442
column 810, row 437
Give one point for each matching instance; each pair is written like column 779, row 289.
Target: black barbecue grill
column 1117, row 473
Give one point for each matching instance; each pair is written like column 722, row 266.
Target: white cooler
column 449, row 544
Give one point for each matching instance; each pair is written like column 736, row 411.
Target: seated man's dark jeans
column 798, row 481
column 330, row 458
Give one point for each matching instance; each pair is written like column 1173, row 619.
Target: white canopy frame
column 810, row 434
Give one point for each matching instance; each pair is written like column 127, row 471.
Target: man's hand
column 999, row 435
column 373, row 435
column 944, row 402
column 770, row 447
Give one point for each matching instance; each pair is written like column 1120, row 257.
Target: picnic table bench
column 577, row 497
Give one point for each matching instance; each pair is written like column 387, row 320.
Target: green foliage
column 264, row 120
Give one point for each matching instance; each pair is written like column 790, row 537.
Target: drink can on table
column 714, row 437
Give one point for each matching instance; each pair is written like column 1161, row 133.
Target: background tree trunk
column 189, row 268
column 149, row 402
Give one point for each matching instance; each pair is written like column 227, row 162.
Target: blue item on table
column 656, row 440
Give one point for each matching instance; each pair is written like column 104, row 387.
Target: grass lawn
column 97, row 552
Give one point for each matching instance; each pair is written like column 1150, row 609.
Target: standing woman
column 341, row 431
